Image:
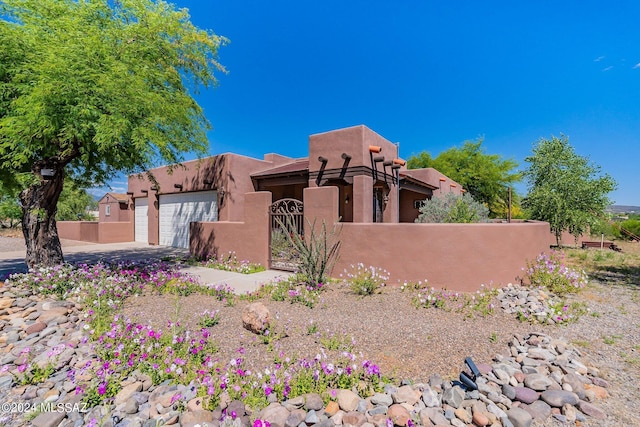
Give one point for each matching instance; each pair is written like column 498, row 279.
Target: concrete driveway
column 13, row 261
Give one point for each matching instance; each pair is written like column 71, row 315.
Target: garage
column 142, row 220
column 178, row 210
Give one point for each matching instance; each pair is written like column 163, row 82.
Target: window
column 107, row 210
column 418, row 203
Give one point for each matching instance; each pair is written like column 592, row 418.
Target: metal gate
column 287, row 224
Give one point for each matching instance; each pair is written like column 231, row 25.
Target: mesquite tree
column 89, row 88
column 565, row 189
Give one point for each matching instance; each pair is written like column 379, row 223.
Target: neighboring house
column 114, row 207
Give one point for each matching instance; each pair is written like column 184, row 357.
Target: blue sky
column 430, row 75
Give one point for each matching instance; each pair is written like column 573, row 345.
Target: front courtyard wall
column 249, row 239
column 454, row 256
column 96, row 232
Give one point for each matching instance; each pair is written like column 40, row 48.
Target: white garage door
column 178, row 210
column 142, row 220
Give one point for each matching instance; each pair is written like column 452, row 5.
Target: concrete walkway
column 11, row 262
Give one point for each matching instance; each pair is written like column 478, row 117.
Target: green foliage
column 565, row 189
column 294, row 289
column 10, row 211
column 318, row 252
column 75, row 203
column 551, row 272
column 336, row 342
column 90, row 88
column 453, row 208
column 479, row 303
column 632, row 225
column 101, row 86
column 485, row 176
column 366, row 280
column 230, row 262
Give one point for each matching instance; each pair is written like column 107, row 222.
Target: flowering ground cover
column 324, row 336
column 228, row 262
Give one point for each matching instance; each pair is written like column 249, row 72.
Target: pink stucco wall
column 249, row 238
column 453, row 256
column 96, row 232
column 228, row 172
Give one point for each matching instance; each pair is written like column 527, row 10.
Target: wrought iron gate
column 287, row 224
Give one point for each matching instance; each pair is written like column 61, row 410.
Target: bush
column 453, row 208
column 366, row 280
column 632, row 225
column 550, row 272
column 317, row 253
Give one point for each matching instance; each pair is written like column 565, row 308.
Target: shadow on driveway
column 13, row 262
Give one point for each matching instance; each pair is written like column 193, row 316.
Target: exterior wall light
column 47, row 173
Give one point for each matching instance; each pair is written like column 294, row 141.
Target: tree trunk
column 39, row 206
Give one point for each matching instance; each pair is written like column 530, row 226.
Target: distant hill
column 624, row 209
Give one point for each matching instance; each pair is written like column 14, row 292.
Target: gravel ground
column 410, row 343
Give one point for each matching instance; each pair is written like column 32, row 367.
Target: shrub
column 550, row 272
column 453, row 208
column 230, row 262
column 632, row 225
column 366, row 280
column 318, row 252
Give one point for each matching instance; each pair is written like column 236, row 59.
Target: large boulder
column 256, row 317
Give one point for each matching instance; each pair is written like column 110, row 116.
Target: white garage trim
column 178, row 210
column 142, row 220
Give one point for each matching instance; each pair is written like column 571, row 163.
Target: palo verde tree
column 485, row 176
column 565, row 189
column 92, row 87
